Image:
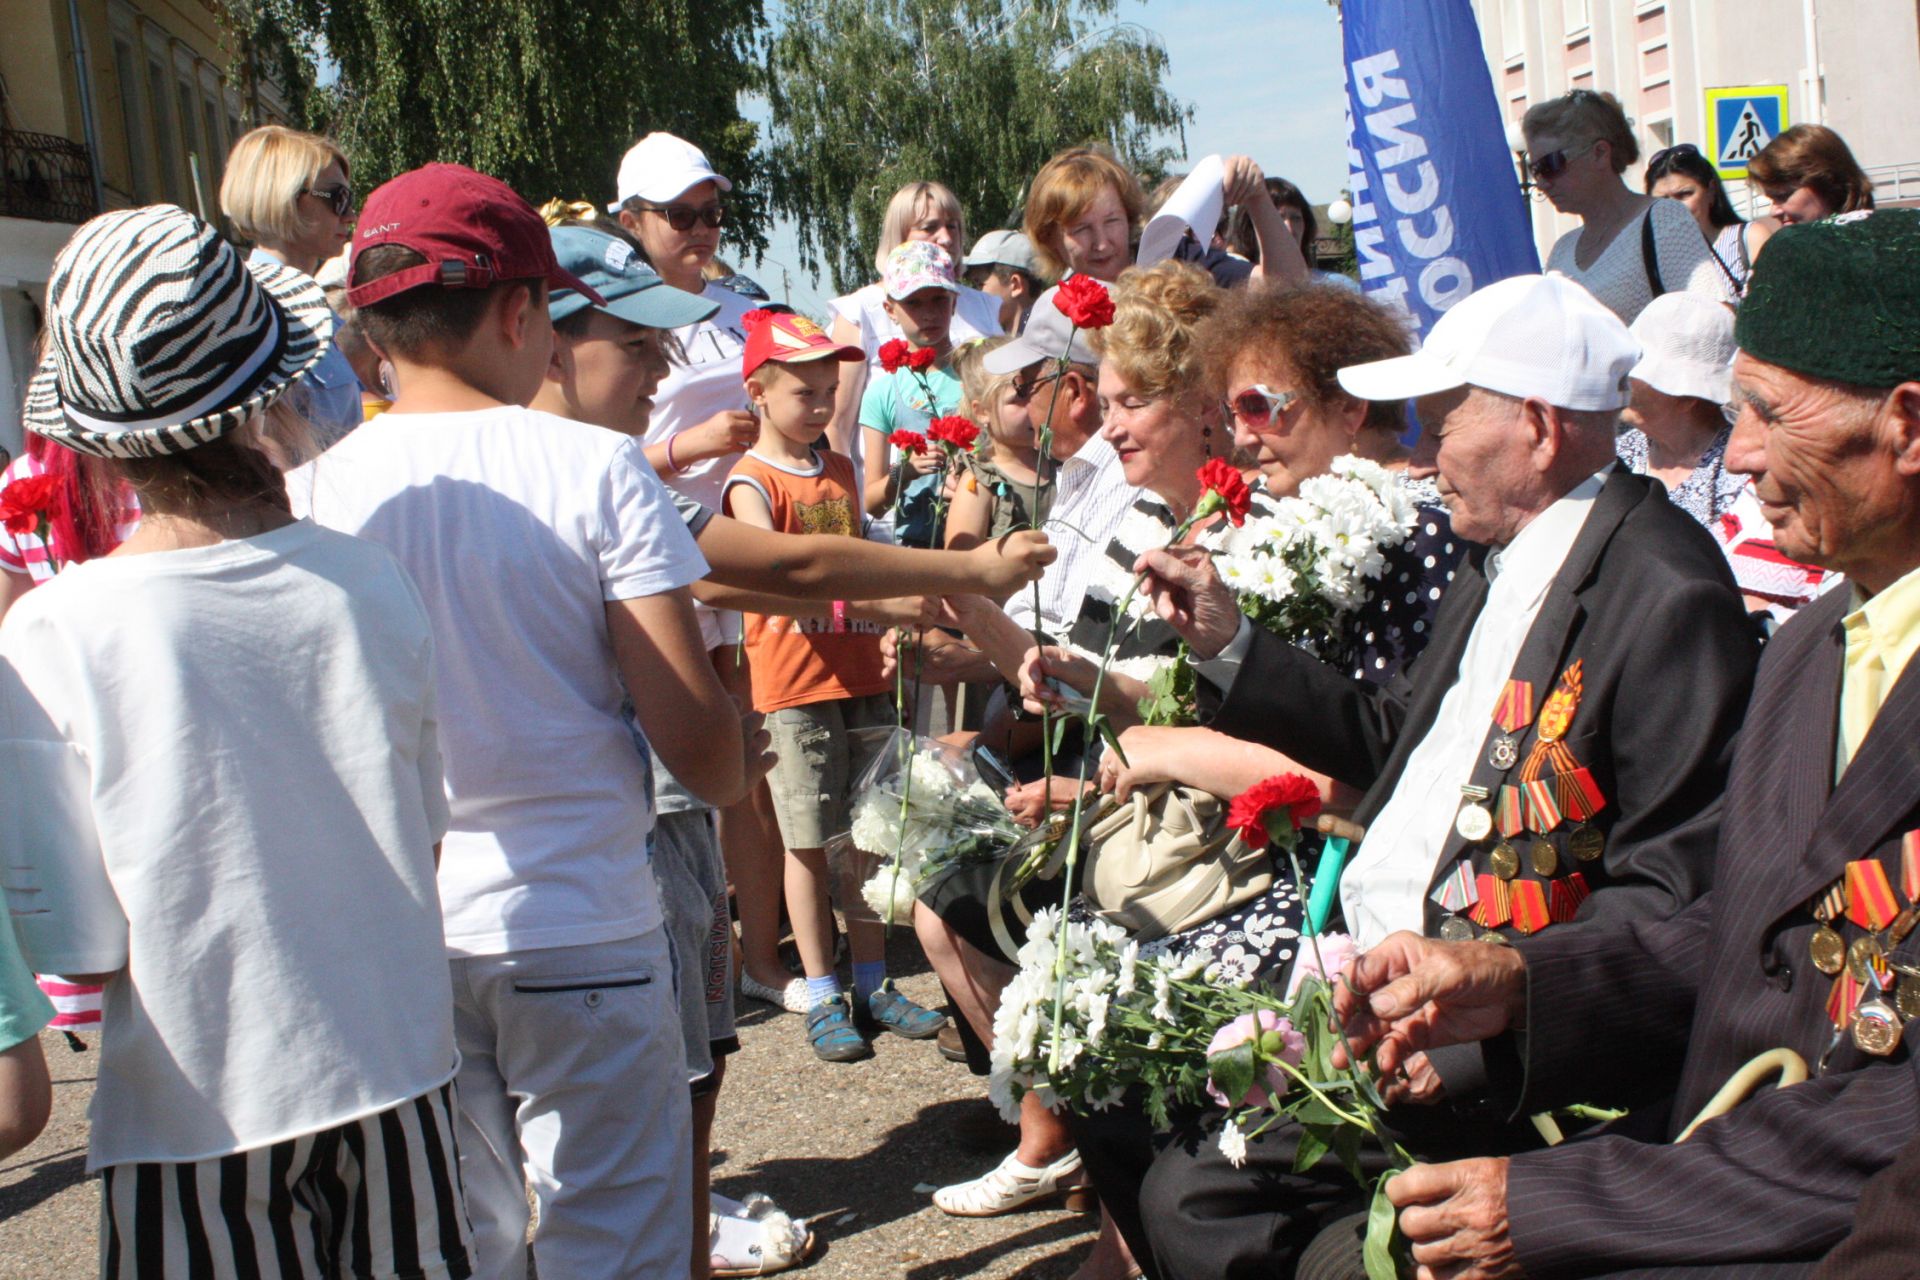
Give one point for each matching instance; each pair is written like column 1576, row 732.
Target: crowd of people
column 444, row 643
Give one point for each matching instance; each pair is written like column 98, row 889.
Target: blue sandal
column 888, row 1010
column 830, row 1030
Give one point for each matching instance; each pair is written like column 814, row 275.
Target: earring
column 1206, row 438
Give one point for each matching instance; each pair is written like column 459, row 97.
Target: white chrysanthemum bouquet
column 922, row 807
column 1303, row 563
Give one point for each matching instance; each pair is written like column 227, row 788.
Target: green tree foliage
column 544, row 94
column 870, row 94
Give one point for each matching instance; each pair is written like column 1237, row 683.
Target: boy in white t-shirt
column 554, row 568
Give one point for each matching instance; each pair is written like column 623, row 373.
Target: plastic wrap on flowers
column 919, row 808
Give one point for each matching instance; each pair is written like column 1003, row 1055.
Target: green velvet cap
column 1838, row 299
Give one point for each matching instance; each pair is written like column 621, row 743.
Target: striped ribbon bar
column 1509, row 812
column 1514, row 711
column 1870, row 901
column 1564, row 897
column 1530, row 906
column 1543, row 807
column 1843, row 999
column 1910, row 866
column 1494, row 908
column 1579, row 794
column 1457, row 892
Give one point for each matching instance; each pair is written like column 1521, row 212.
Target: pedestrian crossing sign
column 1745, row 118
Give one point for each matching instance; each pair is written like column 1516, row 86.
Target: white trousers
column 573, row 1081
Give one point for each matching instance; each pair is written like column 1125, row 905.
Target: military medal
column 1843, row 1000
column 1876, row 1028
column 1586, row 843
column 1456, row 894
column 1907, row 999
column 1870, row 901
column 1564, row 897
column 1456, row 929
column 1530, row 906
column 1505, row 860
column 1505, row 752
column 1509, row 812
column 1865, row 960
column 1829, row 949
column 1544, row 857
column 1512, row 713
column 1556, row 717
column 1495, row 906
column 1474, row 822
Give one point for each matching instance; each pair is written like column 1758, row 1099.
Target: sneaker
column 888, row 1010
column 830, row 1030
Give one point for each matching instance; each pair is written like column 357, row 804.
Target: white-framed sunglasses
column 1259, row 406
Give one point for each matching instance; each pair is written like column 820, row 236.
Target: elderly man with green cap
column 1806, row 942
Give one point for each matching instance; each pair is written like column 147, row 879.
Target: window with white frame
column 167, row 159
column 1513, row 28
column 1579, row 15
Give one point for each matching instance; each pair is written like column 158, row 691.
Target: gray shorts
column 818, row 755
column 693, row 897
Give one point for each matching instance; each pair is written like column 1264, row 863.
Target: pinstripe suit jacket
column 1614, row 1014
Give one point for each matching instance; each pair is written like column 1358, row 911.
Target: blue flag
column 1437, row 209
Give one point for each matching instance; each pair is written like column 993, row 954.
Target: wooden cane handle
column 1329, row 825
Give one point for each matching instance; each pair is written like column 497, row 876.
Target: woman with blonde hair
column 1630, row 248
column 1809, row 173
column 918, row 211
column 1085, row 208
column 290, row 194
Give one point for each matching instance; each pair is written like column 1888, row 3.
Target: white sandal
column 1011, row 1185
column 757, row 1241
column 792, row 997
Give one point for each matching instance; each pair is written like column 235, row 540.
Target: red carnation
column 921, row 359
column 1222, row 488
column 1258, row 812
column 1085, row 301
column 755, row 318
column 893, row 354
column 954, row 430
column 908, row 441
column 28, row 501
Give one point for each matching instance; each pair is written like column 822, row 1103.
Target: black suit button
column 1783, row 978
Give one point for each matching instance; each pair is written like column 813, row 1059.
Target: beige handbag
column 1165, row 861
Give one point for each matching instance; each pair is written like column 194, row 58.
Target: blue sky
column 1263, row 78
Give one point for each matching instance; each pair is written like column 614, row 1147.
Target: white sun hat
column 659, row 167
column 1687, row 347
column 1526, row 336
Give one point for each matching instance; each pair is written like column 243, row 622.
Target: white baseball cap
column 1687, row 345
column 1524, row 336
column 1002, row 249
column 659, row 167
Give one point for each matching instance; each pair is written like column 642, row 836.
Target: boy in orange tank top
column 819, row 680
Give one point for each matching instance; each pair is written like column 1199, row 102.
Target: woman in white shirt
column 224, row 792
column 1629, row 248
column 1681, row 173
column 918, row 211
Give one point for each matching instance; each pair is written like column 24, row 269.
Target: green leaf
column 1060, row 724
column 1232, row 1071
column 1105, row 726
column 1310, row 1110
column 1347, row 1140
column 1381, row 1229
column 1314, row 1143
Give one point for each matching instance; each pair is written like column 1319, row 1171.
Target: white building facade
column 1853, row 65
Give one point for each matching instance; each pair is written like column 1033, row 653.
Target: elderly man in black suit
column 1551, row 763
column 1806, row 940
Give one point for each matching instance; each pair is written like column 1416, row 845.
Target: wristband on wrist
column 673, row 466
column 839, row 617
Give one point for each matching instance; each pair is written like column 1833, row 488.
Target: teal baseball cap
column 633, row 291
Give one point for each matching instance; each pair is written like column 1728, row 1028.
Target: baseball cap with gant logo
column 474, row 231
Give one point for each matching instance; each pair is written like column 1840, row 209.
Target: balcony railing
column 44, row 177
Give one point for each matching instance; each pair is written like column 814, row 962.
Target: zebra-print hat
column 159, row 338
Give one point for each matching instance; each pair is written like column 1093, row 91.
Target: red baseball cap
column 473, row 230
column 786, row 338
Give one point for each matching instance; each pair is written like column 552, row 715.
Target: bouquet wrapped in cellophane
column 922, row 808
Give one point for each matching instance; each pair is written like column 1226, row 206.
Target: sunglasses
column 1555, row 163
column 681, row 217
column 1677, row 149
column 1026, row 387
column 339, row 198
column 1259, row 406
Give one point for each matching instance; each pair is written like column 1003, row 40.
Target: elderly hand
column 1187, row 592
column 1150, row 750
column 1029, row 802
column 1411, row 993
column 1012, row 560
column 1454, row 1217
column 1417, row 1084
column 1242, row 180
column 1052, row 663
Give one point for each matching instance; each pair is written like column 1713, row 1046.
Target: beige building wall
column 1658, row 57
column 163, row 118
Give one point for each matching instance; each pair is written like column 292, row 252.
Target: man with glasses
column 1592, row 644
